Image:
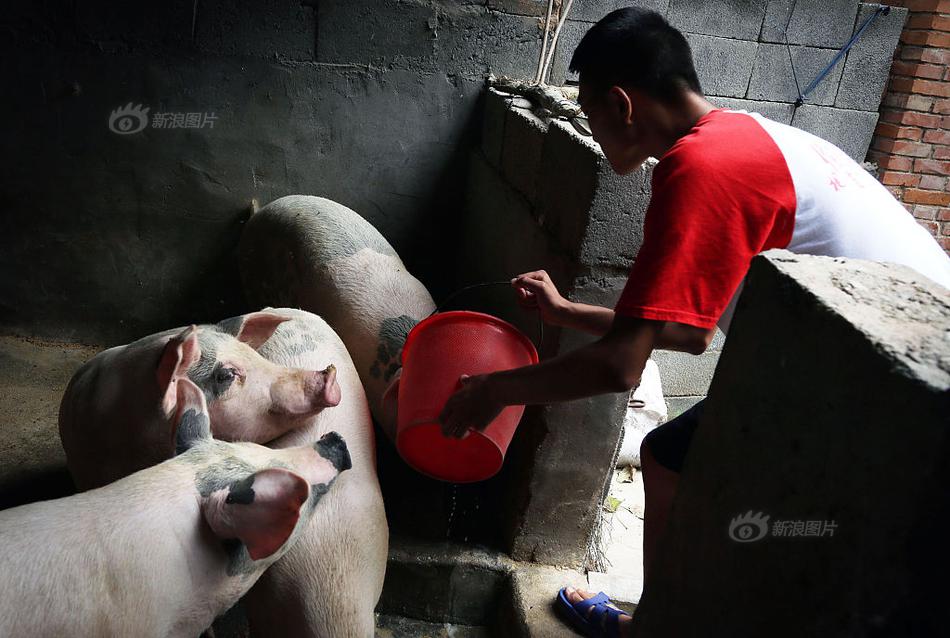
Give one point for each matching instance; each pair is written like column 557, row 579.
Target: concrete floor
column 33, row 376
column 621, row 539
column 388, row 626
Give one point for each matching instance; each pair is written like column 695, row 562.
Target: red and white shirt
column 738, row 184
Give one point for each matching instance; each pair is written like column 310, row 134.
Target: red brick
column 908, row 102
column 932, row 227
column 945, row 229
column 935, row 56
column 933, row 167
column 888, row 162
column 885, row 129
column 933, row 198
column 902, row 147
column 912, row 118
column 911, row 53
column 945, row 243
column 943, row 214
column 891, row 178
column 897, row 192
column 933, row 182
column 942, row 107
column 927, row 87
column 937, row 136
column 926, row 37
column 928, row 21
column 927, row 213
column 928, row 71
column 942, row 152
column 940, row 6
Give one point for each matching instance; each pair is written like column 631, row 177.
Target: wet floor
column 399, row 627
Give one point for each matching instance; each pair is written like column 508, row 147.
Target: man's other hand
column 535, row 290
column 471, row 407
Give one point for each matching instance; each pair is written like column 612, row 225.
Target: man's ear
column 261, row 511
column 180, row 353
column 191, row 423
column 621, row 104
column 253, row 329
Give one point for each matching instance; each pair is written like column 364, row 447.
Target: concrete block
column 493, row 125
column 685, row 374
column 850, row 130
column 571, row 34
column 740, row 19
column 595, row 214
column 523, row 147
column 724, row 66
column 675, row 406
column 569, row 473
column 773, row 76
column 459, row 38
column 594, row 10
column 778, row 111
column 817, row 23
column 520, row 7
column 868, row 64
column 828, row 419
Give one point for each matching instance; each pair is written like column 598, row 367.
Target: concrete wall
column 827, row 423
column 105, row 237
column 743, row 61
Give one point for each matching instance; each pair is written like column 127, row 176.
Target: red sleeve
column 711, row 212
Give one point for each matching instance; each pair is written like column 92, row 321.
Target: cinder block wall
column 743, row 61
column 912, row 141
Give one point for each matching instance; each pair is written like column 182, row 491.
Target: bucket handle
column 486, row 284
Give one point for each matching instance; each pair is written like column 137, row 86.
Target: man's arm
column 538, row 291
column 613, row 363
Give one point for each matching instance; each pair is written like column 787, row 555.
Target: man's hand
column 471, row 407
column 535, row 290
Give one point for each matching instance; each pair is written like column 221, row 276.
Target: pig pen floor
column 485, row 593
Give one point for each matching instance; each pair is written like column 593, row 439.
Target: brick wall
column 912, row 140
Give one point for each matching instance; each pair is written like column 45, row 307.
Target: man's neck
column 673, row 122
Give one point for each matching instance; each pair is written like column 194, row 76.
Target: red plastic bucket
column 437, row 352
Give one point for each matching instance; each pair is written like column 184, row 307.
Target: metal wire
column 486, row 284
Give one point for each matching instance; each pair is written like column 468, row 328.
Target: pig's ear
column 261, row 511
column 254, row 328
column 192, row 423
column 180, row 353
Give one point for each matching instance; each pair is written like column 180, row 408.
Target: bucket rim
column 450, row 315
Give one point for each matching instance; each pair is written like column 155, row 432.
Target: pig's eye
column 224, row 375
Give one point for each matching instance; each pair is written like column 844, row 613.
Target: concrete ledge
column 813, row 499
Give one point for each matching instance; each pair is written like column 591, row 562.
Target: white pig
column 114, row 418
column 165, row 550
column 328, row 585
column 312, row 253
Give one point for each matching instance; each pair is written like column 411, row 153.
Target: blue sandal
column 603, row 621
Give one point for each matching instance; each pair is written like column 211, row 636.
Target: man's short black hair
column 636, row 48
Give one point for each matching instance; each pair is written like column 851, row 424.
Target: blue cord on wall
column 881, row 10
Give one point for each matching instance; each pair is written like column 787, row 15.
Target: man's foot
column 624, row 619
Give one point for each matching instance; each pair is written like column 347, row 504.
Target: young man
column 728, row 186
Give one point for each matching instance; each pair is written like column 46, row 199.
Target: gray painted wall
column 105, row 237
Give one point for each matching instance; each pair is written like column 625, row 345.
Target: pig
column 249, row 398
column 166, row 549
column 328, row 585
column 315, row 254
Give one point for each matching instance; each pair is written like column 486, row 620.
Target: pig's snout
column 332, row 447
column 306, row 392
